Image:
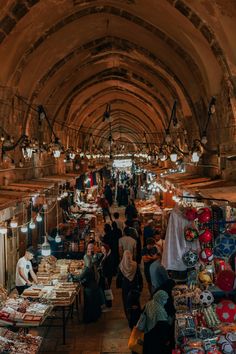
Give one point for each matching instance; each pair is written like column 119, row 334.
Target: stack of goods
column 3, row 294
column 21, row 312
column 17, row 343
column 60, row 294
column 51, row 269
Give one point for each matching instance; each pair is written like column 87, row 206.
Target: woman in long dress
column 131, row 278
column 93, row 299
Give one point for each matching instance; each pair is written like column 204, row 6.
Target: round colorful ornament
column 191, row 214
column 206, row 255
column 190, row 258
column 204, row 215
column 190, row 234
column 226, row 311
column 205, row 236
column 206, row 298
column 225, row 280
column 225, row 346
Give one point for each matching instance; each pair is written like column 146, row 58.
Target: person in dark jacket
column 131, row 211
column 108, row 194
column 133, row 307
column 117, row 234
column 131, row 278
column 106, row 270
column 108, row 238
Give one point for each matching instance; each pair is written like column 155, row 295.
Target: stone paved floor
column 108, row 335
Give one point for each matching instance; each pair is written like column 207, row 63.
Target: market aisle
column 109, row 335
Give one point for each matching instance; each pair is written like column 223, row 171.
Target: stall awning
column 60, row 179
column 225, row 193
column 186, row 179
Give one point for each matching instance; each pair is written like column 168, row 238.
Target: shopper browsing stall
column 126, row 242
column 23, row 270
column 149, row 254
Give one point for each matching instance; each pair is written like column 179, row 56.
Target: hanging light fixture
column 39, row 217
column 3, row 229
column 56, row 148
column 46, row 249
column 13, row 223
column 32, row 224
column 195, row 156
column 24, row 227
column 173, row 156
column 58, row 237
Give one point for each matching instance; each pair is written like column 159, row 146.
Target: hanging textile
column 175, row 243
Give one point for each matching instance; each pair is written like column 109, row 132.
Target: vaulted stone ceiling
column 76, row 56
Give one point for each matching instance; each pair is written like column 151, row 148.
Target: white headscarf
column 127, row 266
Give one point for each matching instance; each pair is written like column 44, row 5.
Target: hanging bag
column 135, row 343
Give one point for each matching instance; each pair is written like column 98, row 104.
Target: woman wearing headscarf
column 131, row 278
column 93, row 299
column 157, row 328
column 106, row 270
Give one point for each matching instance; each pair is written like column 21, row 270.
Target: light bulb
column 72, row 155
column 204, row 139
column 3, row 230
column 13, row 224
column 32, row 224
column 56, row 153
column 65, row 194
column 195, row 156
column 39, row 218
column 46, row 249
column 59, row 197
column 24, row 229
column 173, row 157
column 58, row 238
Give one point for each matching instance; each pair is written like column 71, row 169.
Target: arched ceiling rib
column 146, row 51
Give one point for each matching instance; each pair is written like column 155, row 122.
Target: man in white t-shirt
column 23, row 269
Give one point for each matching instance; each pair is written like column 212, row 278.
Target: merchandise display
column 206, row 317
column 18, row 343
column 21, row 312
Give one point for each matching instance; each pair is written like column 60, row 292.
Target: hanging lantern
column 57, row 238
column 46, row 249
column 195, row 157
column 13, row 223
column 39, row 217
column 32, row 224
column 24, row 229
column 72, row 155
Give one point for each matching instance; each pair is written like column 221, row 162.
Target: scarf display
column 127, row 266
column 155, row 310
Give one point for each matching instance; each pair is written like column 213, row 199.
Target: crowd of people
column 125, row 246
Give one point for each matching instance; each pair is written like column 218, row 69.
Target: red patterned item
column 225, row 280
column 190, row 234
column 206, row 255
column 226, row 311
column 191, row 214
column 205, row 236
column 204, row 215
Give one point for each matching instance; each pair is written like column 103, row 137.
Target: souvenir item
column 225, row 280
column 210, row 317
column 225, row 346
column 191, row 214
column 226, row 311
column 206, row 298
column 190, row 258
column 190, row 234
column 225, row 245
column 206, row 255
column 204, row 215
column 205, row 236
column 205, row 277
